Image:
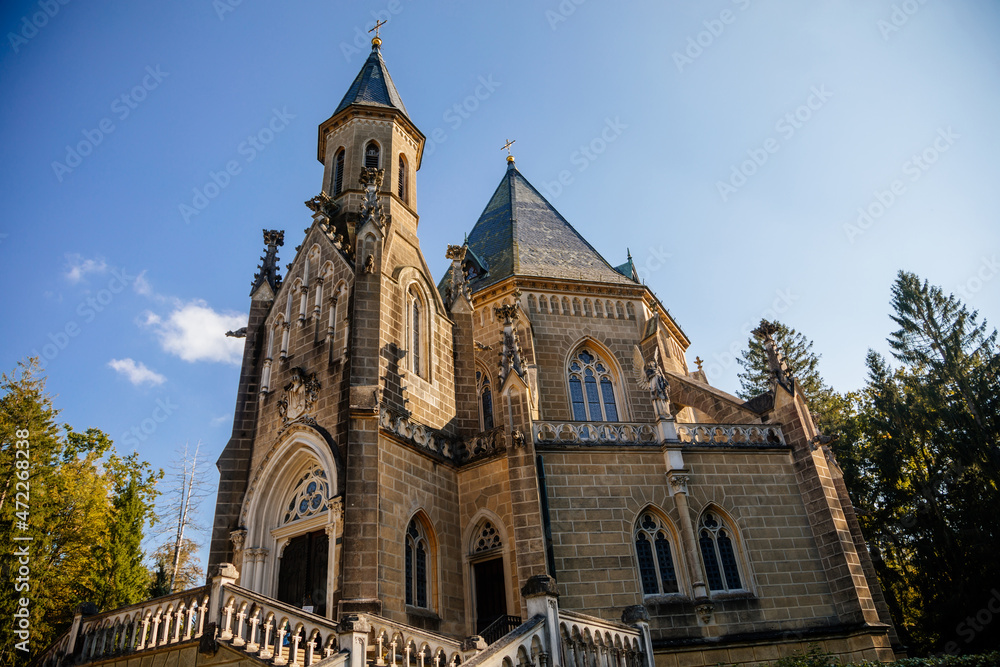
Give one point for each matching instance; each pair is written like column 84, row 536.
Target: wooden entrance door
column 491, row 593
column 302, row 577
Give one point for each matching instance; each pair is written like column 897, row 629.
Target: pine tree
column 159, row 581
column 120, row 578
column 803, row 364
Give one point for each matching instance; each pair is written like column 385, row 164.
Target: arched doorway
column 488, row 564
column 292, row 515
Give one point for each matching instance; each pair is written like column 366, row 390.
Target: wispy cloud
column 194, row 331
column 136, row 372
column 142, row 286
column 77, row 267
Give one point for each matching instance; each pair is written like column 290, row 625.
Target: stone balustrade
column 588, row 641
column 526, row 646
column 594, row 432
column 395, row 644
column 273, row 631
column 730, row 434
column 163, row 621
column 423, row 437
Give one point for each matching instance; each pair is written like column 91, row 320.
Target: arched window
column 371, row 155
column 719, row 553
column 338, row 173
column 416, row 337
column 655, row 554
column 309, row 496
column 417, row 565
column 401, row 181
column 485, row 393
column 591, row 388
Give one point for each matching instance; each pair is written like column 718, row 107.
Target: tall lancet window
column 338, row 173
column 592, row 388
column 719, row 553
column 401, row 184
column 415, row 341
column 653, row 550
column 371, row 155
column 485, row 400
column 417, row 565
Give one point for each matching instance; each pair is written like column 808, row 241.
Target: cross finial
column 376, row 40
column 506, row 146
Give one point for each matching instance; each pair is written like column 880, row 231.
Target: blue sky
column 778, row 159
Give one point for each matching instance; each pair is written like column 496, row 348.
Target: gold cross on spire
column 510, row 142
column 376, row 40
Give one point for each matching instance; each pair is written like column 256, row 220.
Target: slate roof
column 373, row 87
column 520, row 233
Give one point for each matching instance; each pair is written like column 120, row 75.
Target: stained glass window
column 719, row 554
column 417, row 552
column 591, row 388
column 657, row 574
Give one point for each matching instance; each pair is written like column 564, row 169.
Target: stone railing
column 591, row 641
column 423, row 437
column 594, row 432
column 172, row 619
column 525, row 646
column 484, row 445
column 399, row 645
column 273, row 631
column 730, row 434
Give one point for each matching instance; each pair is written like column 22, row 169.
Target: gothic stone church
column 518, row 449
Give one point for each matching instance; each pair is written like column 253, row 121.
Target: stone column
column 226, row 574
column 542, row 599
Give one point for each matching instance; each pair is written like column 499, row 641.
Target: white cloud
column 77, row 267
column 137, row 373
column 142, row 286
column 195, row 332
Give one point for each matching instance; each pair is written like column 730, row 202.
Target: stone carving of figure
column 651, row 377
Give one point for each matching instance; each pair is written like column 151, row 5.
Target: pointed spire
column 373, row 86
column 268, row 269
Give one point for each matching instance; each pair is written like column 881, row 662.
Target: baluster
column 378, row 654
column 406, row 651
column 265, row 653
column 189, row 623
column 141, row 644
column 310, row 648
column 420, row 656
column 227, row 626
column 392, row 654
column 293, row 657
column 238, row 640
column 279, row 647
column 154, row 635
column 202, row 613
column 178, row 622
column 254, row 622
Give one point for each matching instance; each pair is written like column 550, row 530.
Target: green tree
column 74, row 489
column 120, row 578
column 188, row 573
column 159, row 581
column 803, row 364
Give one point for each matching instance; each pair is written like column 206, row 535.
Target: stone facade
column 416, row 450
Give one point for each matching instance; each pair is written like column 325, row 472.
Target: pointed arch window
column 401, row 180
column 416, row 333
column 338, row 173
column 485, row 393
column 718, row 552
column 592, row 388
column 654, row 552
column 371, row 155
column 417, row 565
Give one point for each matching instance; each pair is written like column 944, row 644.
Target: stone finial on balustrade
column 473, row 643
column 540, row 584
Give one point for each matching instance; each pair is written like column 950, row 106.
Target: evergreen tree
column 188, row 573
column 120, row 578
column 159, row 580
column 803, row 364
